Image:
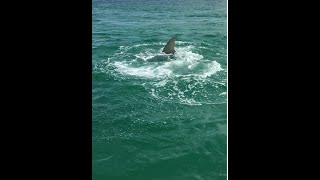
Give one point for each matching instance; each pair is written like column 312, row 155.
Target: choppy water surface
column 158, row 116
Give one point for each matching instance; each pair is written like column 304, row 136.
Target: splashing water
column 185, row 78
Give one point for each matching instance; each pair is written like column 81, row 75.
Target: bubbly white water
column 184, row 77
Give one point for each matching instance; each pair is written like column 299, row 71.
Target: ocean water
column 157, row 116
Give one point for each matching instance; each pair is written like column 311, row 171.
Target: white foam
column 183, row 43
column 143, row 71
column 186, row 54
column 212, row 68
column 184, row 79
column 149, row 44
column 190, row 102
column 149, row 54
column 161, row 83
column 145, row 55
column 184, row 59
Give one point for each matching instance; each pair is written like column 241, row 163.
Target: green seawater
column 157, row 116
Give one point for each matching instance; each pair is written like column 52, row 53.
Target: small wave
column 223, row 94
column 105, row 159
column 199, row 15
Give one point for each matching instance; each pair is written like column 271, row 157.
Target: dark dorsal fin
column 169, row 48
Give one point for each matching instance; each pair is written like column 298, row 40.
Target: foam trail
column 104, row 159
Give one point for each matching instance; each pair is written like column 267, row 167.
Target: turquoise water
column 157, row 116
